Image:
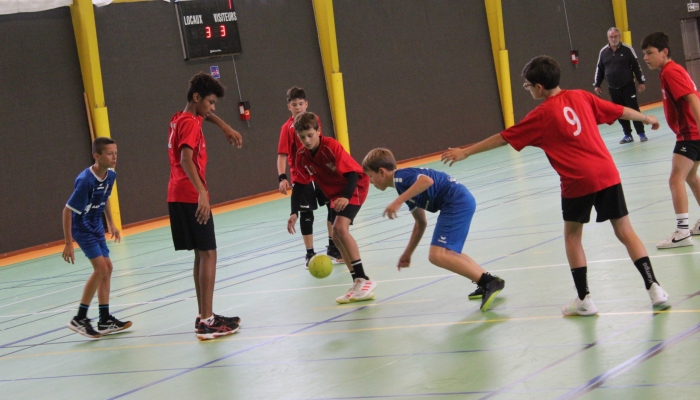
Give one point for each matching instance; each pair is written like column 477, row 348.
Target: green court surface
column 421, row 337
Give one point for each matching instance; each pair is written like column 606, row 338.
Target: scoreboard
column 208, row 28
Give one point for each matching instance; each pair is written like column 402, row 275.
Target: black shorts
column 350, row 212
column 689, row 149
column 188, row 234
column 307, row 197
column 609, row 204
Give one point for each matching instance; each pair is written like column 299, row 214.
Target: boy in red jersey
column 188, row 199
column 342, row 180
column 306, row 196
column 682, row 110
column 565, row 126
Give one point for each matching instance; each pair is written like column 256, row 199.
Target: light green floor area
column 420, row 338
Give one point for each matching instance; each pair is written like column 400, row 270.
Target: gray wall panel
column 418, row 74
column 45, row 134
column 536, row 27
column 146, row 80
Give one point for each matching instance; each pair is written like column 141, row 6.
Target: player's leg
column 81, row 323
column 304, row 201
column 107, row 323
column 681, row 166
column 332, row 250
column 610, row 205
column 363, row 286
column 694, row 182
column 576, row 212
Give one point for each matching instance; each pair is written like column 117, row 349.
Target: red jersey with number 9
column 565, row 126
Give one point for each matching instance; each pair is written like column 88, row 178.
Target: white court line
column 174, row 300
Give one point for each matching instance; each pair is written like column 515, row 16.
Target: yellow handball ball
column 320, row 266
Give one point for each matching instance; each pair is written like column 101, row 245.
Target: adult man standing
column 618, row 63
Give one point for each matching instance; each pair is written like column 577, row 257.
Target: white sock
column 682, row 222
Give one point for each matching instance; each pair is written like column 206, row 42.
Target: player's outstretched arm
column 452, row 155
column 417, row 234
column 116, row 235
column 68, row 252
column 422, row 183
column 634, row 115
column 232, row 135
column 281, row 169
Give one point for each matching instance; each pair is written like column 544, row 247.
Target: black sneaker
column 83, row 327
column 491, row 289
column 112, row 325
column 308, row 258
column 234, row 320
column 333, row 252
column 477, row 294
column 220, row 326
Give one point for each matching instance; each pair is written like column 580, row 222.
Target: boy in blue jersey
column 82, row 222
column 424, row 189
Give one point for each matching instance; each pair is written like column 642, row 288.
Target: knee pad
column 306, row 222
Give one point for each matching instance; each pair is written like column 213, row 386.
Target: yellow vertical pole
column 494, row 15
column 620, row 11
column 83, row 15
column 325, row 24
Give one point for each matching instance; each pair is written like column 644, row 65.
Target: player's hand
column 391, row 210
column 340, row 203
column 651, row 120
column 599, row 92
column 641, row 87
column 233, row 136
column 203, row 212
column 116, row 234
column 284, row 186
column 291, row 224
column 453, row 155
column 404, row 261
column 68, row 253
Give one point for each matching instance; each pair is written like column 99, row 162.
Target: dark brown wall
column 418, row 74
column 418, row 78
column 45, row 136
column 146, row 80
column 647, row 16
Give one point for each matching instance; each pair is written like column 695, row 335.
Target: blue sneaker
column 643, row 137
column 627, row 139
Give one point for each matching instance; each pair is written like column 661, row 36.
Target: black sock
column 82, row 310
column 331, row 243
column 644, row 267
column 581, row 281
column 359, row 270
column 354, row 275
column 310, row 251
column 104, row 312
column 485, row 279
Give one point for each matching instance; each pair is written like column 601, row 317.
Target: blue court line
column 629, row 364
column 314, row 325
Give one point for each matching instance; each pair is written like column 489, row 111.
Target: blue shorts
column 454, row 220
column 92, row 246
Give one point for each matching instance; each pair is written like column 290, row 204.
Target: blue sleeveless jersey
column 444, row 190
column 88, row 203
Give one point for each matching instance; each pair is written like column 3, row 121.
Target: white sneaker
column 657, row 294
column 345, row 299
column 677, row 239
column 363, row 290
column 696, row 228
column 583, row 307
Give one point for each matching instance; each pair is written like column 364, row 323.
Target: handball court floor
column 419, row 338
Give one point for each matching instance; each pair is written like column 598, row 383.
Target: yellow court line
column 239, row 337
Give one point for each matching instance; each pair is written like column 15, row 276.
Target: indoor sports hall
column 420, row 337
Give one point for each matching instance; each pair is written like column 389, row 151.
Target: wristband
column 283, row 177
